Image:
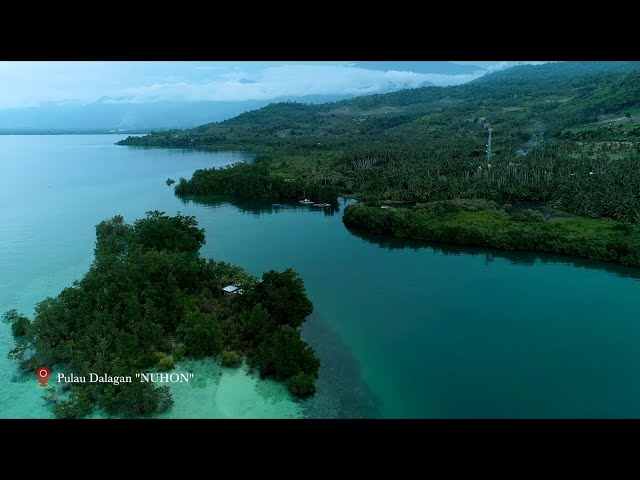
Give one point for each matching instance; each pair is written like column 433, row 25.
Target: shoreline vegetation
column 565, row 135
column 252, row 181
column 148, row 301
column 487, row 224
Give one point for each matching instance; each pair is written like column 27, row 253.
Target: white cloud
column 33, row 83
column 287, row 80
column 503, row 65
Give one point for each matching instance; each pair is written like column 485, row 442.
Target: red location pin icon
column 43, row 374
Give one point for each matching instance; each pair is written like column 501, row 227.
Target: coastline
column 483, row 224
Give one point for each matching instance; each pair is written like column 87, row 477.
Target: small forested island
column 563, row 136
column 149, row 300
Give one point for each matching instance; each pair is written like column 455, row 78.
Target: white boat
column 306, row 201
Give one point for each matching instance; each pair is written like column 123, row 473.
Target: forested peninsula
column 148, row 301
column 562, row 135
column 488, row 224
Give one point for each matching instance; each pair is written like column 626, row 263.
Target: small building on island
column 232, row 289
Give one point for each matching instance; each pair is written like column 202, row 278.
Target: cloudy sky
column 29, row 84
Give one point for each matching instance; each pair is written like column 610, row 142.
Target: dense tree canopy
column 485, row 223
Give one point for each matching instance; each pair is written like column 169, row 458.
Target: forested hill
column 557, row 70
column 520, row 103
column 567, row 133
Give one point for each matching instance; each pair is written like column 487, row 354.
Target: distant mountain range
column 441, row 68
column 524, row 103
column 107, row 115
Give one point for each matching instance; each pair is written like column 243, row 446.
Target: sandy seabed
column 218, row 392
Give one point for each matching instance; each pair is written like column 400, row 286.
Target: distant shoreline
column 71, row 132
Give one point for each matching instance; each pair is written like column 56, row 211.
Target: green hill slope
column 564, row 132
column 557, row 95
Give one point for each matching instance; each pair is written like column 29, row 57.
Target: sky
column 32, row 84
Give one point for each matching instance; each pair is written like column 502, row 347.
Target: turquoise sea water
column 403, row 329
